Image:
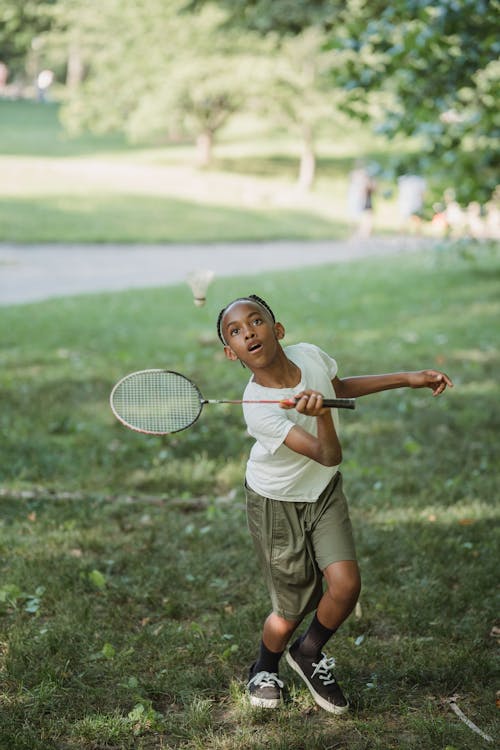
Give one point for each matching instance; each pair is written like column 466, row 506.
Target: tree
column 196, row 99
column 437, row 63
column 22, row 24
column 154, row 71
column 297, row 92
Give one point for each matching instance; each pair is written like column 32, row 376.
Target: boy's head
column 248, row 330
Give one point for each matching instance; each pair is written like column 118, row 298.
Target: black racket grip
column 340, row 403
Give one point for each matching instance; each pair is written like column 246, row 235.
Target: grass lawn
column 101, row 189
column 130, row 601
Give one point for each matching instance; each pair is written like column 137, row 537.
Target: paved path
column 29, row 273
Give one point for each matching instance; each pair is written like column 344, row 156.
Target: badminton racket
column 159, row 402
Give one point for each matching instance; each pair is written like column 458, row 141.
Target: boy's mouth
column 254, row 347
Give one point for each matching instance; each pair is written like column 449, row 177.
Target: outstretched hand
column 434, row 379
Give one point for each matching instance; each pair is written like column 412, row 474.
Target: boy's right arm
column 324, row 448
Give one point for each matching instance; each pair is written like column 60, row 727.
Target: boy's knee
column 344, row 583
column 281, row 625
column 348, row 590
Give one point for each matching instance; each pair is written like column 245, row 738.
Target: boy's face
column 250, row 334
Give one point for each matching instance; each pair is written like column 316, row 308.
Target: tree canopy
column 21, row 24
column 279, row 16
column 423, row 68
column 437, row 64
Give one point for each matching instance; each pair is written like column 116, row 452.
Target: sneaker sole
column 330, row 707
column 264, row 702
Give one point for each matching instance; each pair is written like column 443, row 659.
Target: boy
column 297, row 512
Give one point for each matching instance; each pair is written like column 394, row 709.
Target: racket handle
column 340, row 403
column 330, row 403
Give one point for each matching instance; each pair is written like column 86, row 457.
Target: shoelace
column 324, row 670
column 266, row 679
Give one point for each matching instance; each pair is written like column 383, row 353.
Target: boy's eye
column 257, row 321
column 234, row 331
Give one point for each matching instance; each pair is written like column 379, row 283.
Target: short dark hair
column 252, row 298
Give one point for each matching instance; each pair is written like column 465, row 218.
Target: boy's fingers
column 442, row 376
column 443, row 381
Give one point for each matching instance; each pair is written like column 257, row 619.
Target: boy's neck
column 282, row 373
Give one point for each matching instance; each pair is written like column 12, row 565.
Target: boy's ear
column 230, row 354
column 279, row 329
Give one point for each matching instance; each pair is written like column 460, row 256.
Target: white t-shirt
column 273, row 470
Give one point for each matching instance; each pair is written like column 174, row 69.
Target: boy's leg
column 264, row 686
column 294, row 582
column 305, row 655
column 343, row 586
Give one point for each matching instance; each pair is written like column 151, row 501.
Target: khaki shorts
column 295, row 542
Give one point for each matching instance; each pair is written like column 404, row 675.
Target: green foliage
column 437, row 66
column 11, row 598
column 22, row 25
column 428, row 70
column 282, row 16
column 145, row 602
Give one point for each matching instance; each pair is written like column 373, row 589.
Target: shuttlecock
column 199, row 281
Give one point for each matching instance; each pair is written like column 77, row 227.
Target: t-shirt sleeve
column 330, row 363
column 268, row 424
column 327, row 362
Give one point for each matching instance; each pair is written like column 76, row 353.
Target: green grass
column 130, row 600
column 101, row 189
column 30, row 129
column 148, row 219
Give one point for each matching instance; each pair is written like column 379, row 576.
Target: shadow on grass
column 147, row 219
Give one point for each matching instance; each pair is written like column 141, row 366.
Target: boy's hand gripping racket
column 159, row 402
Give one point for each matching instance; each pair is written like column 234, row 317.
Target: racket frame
column 155, row 371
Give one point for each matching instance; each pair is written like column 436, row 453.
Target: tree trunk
column 307, row 159
column 75, row 68
column 204, row 145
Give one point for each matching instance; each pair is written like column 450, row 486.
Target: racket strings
column 157, row 401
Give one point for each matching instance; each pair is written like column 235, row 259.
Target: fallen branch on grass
column 456, row 710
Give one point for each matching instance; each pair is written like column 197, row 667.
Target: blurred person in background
column 44, row 81
column 360, row 200
column 411, row 191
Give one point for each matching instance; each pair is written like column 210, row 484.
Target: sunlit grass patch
column 134, row 218
column 102, row 189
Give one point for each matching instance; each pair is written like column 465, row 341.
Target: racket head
column 156, row 402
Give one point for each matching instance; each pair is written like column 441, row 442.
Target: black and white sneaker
column 319, row 678
column 264, row 689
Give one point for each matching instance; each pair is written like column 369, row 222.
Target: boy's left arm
column 362, row 385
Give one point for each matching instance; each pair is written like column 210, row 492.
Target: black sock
column 315, row 638
column 267, row 661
